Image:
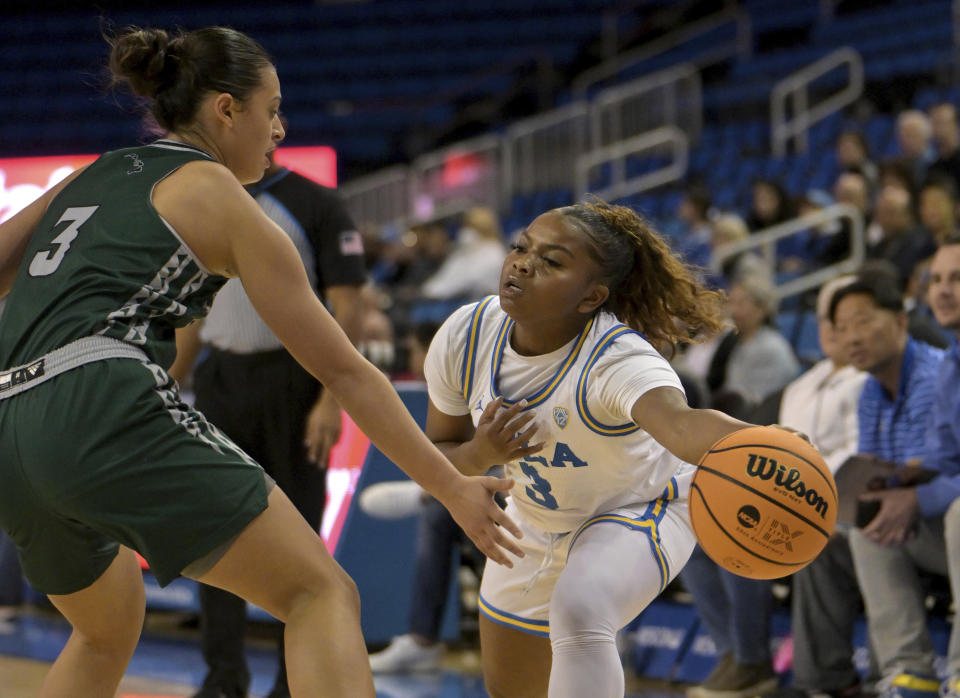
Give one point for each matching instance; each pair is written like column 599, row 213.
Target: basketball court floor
column 167, row 663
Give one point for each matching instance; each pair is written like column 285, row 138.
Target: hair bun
column 146, row 59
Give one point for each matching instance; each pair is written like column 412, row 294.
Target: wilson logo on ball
column 788, row 478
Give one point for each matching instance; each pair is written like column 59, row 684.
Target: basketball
column 763, row 503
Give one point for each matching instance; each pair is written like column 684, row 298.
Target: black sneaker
column 740, row 681
column 714, row 678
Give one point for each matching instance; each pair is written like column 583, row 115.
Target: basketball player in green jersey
column 101, row 457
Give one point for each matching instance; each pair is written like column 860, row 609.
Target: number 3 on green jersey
column 45, row 262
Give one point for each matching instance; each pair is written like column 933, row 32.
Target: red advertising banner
column 22, row 180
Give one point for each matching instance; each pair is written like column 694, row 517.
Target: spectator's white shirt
column 471, row 271
column 822, row 403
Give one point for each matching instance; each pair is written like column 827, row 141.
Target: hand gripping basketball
column 763, row 502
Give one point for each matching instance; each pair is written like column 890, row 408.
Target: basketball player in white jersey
column 560, row 378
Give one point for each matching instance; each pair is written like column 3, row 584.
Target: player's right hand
column 500, row 436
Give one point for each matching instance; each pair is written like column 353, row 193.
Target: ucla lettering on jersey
column 103, row 261
column 594, row 458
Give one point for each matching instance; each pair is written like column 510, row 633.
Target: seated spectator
column 902, row 241
column 920, row 323
column 762, row 361
column 853, row 189
column 375, row 332
column 894, row 172
column 729, row 228
column 798, row 253
column 913, row 143
column 946, row 143
column 756, row 360
column 938, row 208
column 822, row 403
column 736, row 613
column 425, row 248
column 769, row 205
column 853, row 155
column 909, row 413
column 693, row 240
column 472, row 270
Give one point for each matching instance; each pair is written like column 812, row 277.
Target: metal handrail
column 767, row 239
column 486, row 143
column 617, row 153
column 742, row 46
column 795, row 88
column 668, row 77
column 520, row 162
column 387, row 189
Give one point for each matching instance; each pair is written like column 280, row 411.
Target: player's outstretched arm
column 685, row 432
column 232, row 236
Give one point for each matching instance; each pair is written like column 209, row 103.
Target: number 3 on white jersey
column 46, row 262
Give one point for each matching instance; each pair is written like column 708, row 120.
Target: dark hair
column 898, row 169
column 877, row 266
column 880, row 287
column 784, row 210
column 699, row 197
column 858, row 137
column 943, row 183
column 174, row 73
column 651, row 290
column 424, row 331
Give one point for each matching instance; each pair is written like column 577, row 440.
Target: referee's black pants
column 261, row 401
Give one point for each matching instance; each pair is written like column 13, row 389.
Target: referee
column 252, row 389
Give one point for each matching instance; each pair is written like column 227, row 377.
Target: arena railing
column 541, row 152
column 741, row 45
column 665, row 138
column 793, row 93
column 450, row 180
column 670, row 97
column 765, row 242
column 379, row 199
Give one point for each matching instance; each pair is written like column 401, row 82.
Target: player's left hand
column 322, row 431
column 793, row 431
column 472, row 506
column 893, row 524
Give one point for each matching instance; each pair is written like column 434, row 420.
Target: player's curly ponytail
column 174, row 73
column 651, row 289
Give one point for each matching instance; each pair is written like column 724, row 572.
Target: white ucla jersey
column 594, row 458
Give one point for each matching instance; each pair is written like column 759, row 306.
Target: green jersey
column 103, row 262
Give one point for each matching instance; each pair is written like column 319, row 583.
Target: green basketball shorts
column 107, row 454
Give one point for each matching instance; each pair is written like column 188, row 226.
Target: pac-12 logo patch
column 561, row 416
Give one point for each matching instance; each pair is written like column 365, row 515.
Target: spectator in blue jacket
column 917, row 527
